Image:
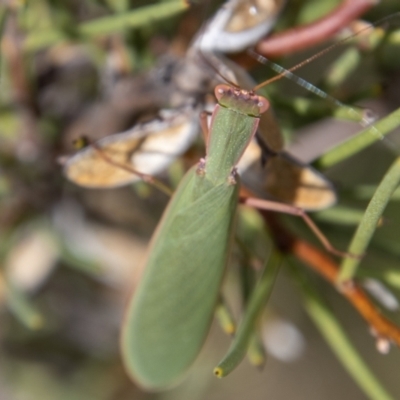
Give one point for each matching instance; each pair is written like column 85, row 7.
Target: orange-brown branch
column 322, row 264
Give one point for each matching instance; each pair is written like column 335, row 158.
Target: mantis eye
column 263, row 104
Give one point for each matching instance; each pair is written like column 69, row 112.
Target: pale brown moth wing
column 148, row 148
column 287, row 180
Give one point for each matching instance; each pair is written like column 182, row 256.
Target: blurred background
column 69, row 255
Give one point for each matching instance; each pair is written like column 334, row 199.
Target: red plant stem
column 305, row 36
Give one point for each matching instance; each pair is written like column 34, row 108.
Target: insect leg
column 297, row 211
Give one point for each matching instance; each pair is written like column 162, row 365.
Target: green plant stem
column 341, row 346
column 360, row 141
column 106, row 25
column 370, row 220
column 255, row 305
column 21, row 306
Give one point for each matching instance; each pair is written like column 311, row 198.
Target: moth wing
column 285, row 179
column 148, row 148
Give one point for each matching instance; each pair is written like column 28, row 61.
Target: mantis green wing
column 173, row 305
column 170, row 313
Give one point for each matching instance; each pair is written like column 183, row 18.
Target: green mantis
column 171, row 311
column 169, row 315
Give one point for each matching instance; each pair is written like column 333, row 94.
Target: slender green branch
column 256, row 353
column 342, row 347
column 106, row 25
column 21, row 306
column 340, row 215
column 225, row 317
column 255, row 305
column 360, row 141
column 370, row 220
column 365, row 192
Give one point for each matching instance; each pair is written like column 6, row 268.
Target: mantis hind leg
column 297, row 211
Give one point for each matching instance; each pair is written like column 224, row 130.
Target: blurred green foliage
column 69, row 255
